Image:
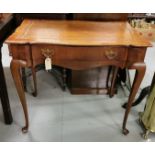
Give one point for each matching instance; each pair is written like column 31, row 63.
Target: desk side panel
column 136, row 54
column 21, row 52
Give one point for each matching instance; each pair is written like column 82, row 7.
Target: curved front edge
column 140, row 72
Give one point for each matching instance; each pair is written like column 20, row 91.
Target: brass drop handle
column 111, row 54
column 47, row 52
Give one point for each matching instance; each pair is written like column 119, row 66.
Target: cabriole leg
column 34, row 81
column 15, row 67
column 64, row 79
column 140, row 71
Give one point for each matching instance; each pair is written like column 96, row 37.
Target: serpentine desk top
column 76, row 33
column 86, row 44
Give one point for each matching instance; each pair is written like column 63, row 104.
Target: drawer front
column 63, row 55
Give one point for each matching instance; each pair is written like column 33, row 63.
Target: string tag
column 48, row 64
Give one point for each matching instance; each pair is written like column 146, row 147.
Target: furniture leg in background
column 32, row 72
column 145, row 91
column 25, row 74
column 24, row 78
column 34, row 81
column 113, row 82
column 4, row 95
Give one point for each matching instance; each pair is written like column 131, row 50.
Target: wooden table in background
column 77, row 45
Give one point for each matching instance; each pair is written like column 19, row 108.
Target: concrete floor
column 61, row 117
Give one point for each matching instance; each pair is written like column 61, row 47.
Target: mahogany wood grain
column 73, row 57
column 77, row 33
column 78, row 45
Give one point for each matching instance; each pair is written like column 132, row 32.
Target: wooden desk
column 77, row 45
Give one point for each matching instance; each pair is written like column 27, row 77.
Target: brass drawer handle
column 47, row 52
column 111, row 54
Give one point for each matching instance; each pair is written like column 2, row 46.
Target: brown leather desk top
column 76, row 33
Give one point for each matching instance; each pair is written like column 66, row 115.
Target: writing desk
column 77, row 45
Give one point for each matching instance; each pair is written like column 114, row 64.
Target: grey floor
column 58, row 116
